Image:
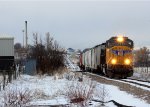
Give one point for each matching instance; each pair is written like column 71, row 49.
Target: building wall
column 30, row 67
column 6, row 46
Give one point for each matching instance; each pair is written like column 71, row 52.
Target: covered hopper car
column 114, row 58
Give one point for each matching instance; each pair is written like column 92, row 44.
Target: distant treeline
column 142, row 57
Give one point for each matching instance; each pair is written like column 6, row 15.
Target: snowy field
column 52, row 90
column 145, row 70
column 142, row 73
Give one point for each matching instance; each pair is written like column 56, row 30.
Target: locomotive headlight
column 113, row 61
column 120, row 39
column 127, row 61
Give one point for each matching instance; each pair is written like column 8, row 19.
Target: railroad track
column 134, row 82
column 137, row 82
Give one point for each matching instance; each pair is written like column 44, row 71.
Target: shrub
column 80, row 93
column 101, row 93
column 17, row 97
column 40, row 94
column 49, row 55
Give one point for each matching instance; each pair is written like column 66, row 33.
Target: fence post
column 14, row 77
column 9, row 76
column 4, row 79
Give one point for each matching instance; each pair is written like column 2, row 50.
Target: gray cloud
column 78, row 24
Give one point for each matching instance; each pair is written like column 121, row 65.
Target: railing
column 6, row 76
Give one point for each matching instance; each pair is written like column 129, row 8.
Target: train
column 6, row 54
column 113, row 58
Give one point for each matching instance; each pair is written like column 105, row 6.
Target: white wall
column 6, row 46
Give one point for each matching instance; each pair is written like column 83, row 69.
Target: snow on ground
column 70, row 65
column 52, row 92
column 142, row 73
column 124, row 98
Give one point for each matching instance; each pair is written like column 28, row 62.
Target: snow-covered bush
column 101, row 93
column 17, row 97
column 80, row 93
column 39, row 94
column 71, row 76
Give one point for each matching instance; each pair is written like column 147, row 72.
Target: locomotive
column 114, row 58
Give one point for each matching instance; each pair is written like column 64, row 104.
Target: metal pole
column 23, row 38
column 26, row 34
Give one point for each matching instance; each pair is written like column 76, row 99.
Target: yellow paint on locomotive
column 116, row 54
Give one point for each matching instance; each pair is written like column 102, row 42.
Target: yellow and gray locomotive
column 114, row 58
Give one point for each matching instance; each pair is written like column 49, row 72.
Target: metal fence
column 7, row 76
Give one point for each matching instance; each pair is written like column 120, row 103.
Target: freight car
column 114, row 58
column 6, row 53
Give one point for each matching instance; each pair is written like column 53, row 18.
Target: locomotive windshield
column 119, row 41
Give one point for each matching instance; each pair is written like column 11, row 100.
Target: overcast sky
column 77, row 23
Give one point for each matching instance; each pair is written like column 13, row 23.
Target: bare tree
column 49, row 56
column 17, row 46
column 35, row 37
column 49, row 41
column 142, row 57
